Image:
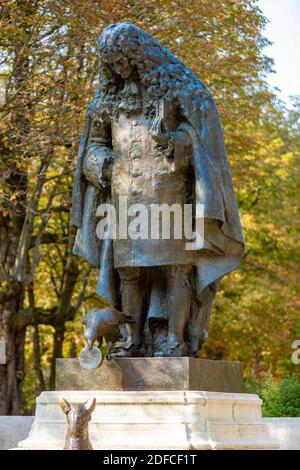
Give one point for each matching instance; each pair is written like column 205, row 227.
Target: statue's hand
column 97, row 166
column 105, row 175
column 159, row 133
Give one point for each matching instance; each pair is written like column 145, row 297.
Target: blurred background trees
column 49, row 71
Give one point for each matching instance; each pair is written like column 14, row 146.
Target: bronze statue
column 78, row 417
column 104, row 323
column 152, row 137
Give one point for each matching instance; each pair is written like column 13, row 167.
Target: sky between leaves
column 283, row 31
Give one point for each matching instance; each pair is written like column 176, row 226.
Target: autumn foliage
column 49, row 71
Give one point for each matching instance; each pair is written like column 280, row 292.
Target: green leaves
column 280, row 398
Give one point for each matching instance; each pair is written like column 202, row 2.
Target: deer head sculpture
column 78, row 417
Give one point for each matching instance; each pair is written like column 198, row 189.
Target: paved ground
column 16, row 428
column 286, row 431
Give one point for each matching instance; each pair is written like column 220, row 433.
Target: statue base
column 153, row 420
column 154, row 403
column 151, row 373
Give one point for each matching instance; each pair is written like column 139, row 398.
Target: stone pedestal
column 154, row 403
column 154, row 420
column 151, row 373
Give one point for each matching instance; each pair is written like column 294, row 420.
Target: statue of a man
column 152, row 136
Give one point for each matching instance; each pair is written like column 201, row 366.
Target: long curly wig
column 162, row 75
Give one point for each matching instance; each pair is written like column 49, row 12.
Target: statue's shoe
column 171, row 350
column 124, row 349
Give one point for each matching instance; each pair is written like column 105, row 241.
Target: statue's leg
column 179, row 299
column 157, row 318
column 179, row 295
column 132, row 304
column 197, row 327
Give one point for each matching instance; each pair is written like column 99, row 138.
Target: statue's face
column 122, row 66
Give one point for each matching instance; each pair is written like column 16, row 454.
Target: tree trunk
column 36, row 354
column 57, row 352
column 12, row 218
column 10, row 379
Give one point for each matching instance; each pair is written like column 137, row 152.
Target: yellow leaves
column 4, row 285
column 282, row 173
column 266, row 353
column 271, row 229
column 249, row 222
column 237, row 276
column 288, row 158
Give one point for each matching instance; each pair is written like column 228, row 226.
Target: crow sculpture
column 105, row 323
